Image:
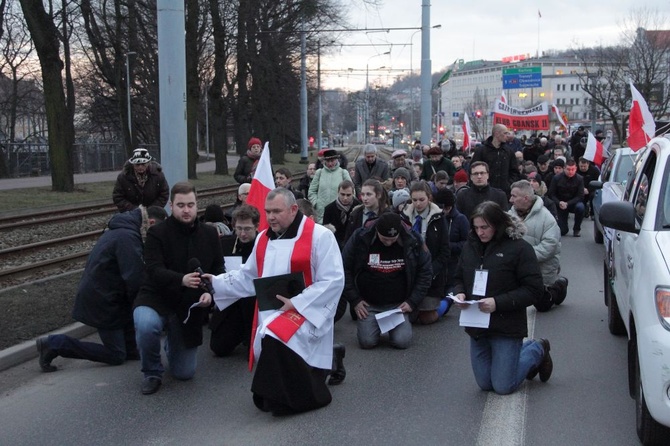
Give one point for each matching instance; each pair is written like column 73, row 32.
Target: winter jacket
column 418, row 269
column 128, row 194
column 332, row 219
column 468, row 199
column 323, row 189
column 430, row 168
column 380, row 170
column 356, row 220
column 458, row 227
column 514, row 280
column 437, row 242
column 112, row 275
column 169, row 247
column 503, row 169
column 244, row 170
column 544, row 235
column 563, row 188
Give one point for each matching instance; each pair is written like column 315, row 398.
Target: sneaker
column 577, row 233
column 562, row 285
column 46, row 355
column 547, row 365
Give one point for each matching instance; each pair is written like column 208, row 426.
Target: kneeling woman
column 499, row 269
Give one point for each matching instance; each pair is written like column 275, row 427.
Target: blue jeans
column 149, row 326
column 501, row 364
column 112, row 351
column 369, row 333
column 578, row 209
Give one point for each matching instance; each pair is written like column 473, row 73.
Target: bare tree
column 58, row 90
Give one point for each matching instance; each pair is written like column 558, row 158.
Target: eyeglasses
column 479, row 174
column 245, row 228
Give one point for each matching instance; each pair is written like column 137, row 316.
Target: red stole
column 286, row 324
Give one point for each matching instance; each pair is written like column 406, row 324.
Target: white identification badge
column 374, row 259
column 479, row 287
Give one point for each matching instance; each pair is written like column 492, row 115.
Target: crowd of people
column 401, row 239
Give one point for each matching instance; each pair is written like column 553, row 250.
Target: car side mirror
column 619, row 215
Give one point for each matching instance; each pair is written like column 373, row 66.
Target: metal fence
column 32, row 159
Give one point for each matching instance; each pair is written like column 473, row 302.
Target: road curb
column 26, row 351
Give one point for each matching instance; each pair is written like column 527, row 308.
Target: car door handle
column 618, row 236
column 629, row 262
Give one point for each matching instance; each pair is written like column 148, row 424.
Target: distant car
column 375, row 140
column 610, row 187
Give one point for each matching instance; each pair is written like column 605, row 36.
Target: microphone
column 194, row 265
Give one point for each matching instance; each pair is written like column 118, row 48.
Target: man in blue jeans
column 104, row 300
column 173, row 298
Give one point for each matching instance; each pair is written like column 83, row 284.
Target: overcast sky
column 471, row 30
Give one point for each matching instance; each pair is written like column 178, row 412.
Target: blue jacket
column 112, row 275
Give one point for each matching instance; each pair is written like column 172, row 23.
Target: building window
column 572, row 87
column 577, row 101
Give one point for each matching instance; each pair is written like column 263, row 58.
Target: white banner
column 534, row 118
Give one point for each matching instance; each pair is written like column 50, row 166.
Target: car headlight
column 663, row 306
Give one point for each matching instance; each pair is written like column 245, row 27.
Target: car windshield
column 624, row 167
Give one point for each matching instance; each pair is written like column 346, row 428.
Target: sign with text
column 526, row 77
column 534, row 118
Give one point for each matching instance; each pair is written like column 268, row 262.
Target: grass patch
column 44, row 197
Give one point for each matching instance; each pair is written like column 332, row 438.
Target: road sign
column 455, row 114
column 527, row 77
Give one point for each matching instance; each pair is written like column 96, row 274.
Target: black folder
column 267, row 288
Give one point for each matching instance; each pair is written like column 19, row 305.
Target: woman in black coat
column 499, row 269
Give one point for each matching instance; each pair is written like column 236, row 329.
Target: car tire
column 597, row 235
column 649, row 431
column 614, row 320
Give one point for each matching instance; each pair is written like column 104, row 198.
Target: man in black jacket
column 567, row 191
column 107, row 288
column 141, row 182
column 500, row 158
column 173, row 298
column 386, row 267
column 468, row 199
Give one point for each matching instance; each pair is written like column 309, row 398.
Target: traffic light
column 441, row 130
column 478, row 113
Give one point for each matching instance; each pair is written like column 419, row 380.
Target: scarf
column 344, row 210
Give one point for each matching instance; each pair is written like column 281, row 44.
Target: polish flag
column 466, row 132
column 503, row 98
column 594, row 150
column 641, row 125
column 559, row 116
column 261, row 185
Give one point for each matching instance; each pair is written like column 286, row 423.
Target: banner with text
column 534, row 118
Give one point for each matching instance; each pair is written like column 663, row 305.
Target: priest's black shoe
column 338, row 373
column 547, row 365
column 150, row 385
column 46, row 355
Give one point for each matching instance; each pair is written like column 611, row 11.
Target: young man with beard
column 173, row 298
column 336, row 214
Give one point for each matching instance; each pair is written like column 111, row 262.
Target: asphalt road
column 425, row 395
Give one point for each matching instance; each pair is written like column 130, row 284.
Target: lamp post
column 411, row 71
column 367, row 93
column 130, row 120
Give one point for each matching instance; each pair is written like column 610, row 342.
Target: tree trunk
column 60, row 124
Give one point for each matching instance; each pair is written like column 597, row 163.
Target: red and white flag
column 594, row 150
column 503, row 98
column 261, row 185
column 466, row 132
column 559, row 116
column 641, row 125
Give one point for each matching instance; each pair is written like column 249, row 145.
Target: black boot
column 46, row 355
column 338, row 372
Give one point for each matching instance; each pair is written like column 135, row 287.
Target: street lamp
column 367, row 93
column 130, row 121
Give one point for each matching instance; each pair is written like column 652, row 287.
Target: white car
column 637, row 286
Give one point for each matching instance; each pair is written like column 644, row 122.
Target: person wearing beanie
column 557, row 167
column 400, row 181
column 141, row 182
column 400, row 199
column 386, row 267
column 461, row 180
column 246, row 167
column 540, row 188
